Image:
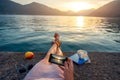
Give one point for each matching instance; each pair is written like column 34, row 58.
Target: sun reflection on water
column 80, row 21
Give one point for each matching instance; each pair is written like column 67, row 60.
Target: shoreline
column 103, row 66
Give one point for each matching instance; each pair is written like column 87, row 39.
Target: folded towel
column 80, row 57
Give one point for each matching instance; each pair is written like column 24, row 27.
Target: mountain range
column 10, row 7
column 111, row 9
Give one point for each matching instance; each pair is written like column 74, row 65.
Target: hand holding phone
column 57, row 59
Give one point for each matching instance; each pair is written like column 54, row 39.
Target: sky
column 66, row 5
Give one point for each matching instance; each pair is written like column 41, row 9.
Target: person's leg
column 44, row 69
column 55, row 49
column 59, row 52
column 52, row 50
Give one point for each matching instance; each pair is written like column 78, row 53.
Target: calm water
column 22, row 33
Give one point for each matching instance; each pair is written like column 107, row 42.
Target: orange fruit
column 29, row 55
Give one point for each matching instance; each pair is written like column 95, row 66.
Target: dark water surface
column 22, row 33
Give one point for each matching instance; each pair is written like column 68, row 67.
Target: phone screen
column 57, row 59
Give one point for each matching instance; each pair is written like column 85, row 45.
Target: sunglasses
column 22, row 68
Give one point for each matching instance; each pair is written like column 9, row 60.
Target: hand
column 69, row 70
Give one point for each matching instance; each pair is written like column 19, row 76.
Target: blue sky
column 61, row 4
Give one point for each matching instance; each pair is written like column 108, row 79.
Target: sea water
column 21, row 33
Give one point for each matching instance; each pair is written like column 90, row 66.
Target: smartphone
column 57, row 59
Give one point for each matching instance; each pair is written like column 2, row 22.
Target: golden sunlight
column 80, row 21
column 77, row 6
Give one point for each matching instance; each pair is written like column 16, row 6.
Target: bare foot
column 54, row 49
column 56, row 36
column 57, row 41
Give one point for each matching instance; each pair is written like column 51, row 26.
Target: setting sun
column 77, row 6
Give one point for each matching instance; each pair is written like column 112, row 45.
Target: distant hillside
column 85, row 12
column 37, row 8
column 111, row 9
column 10, row 7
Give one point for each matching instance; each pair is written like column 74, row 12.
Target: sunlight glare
column 77, row 6
column 80, row 21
